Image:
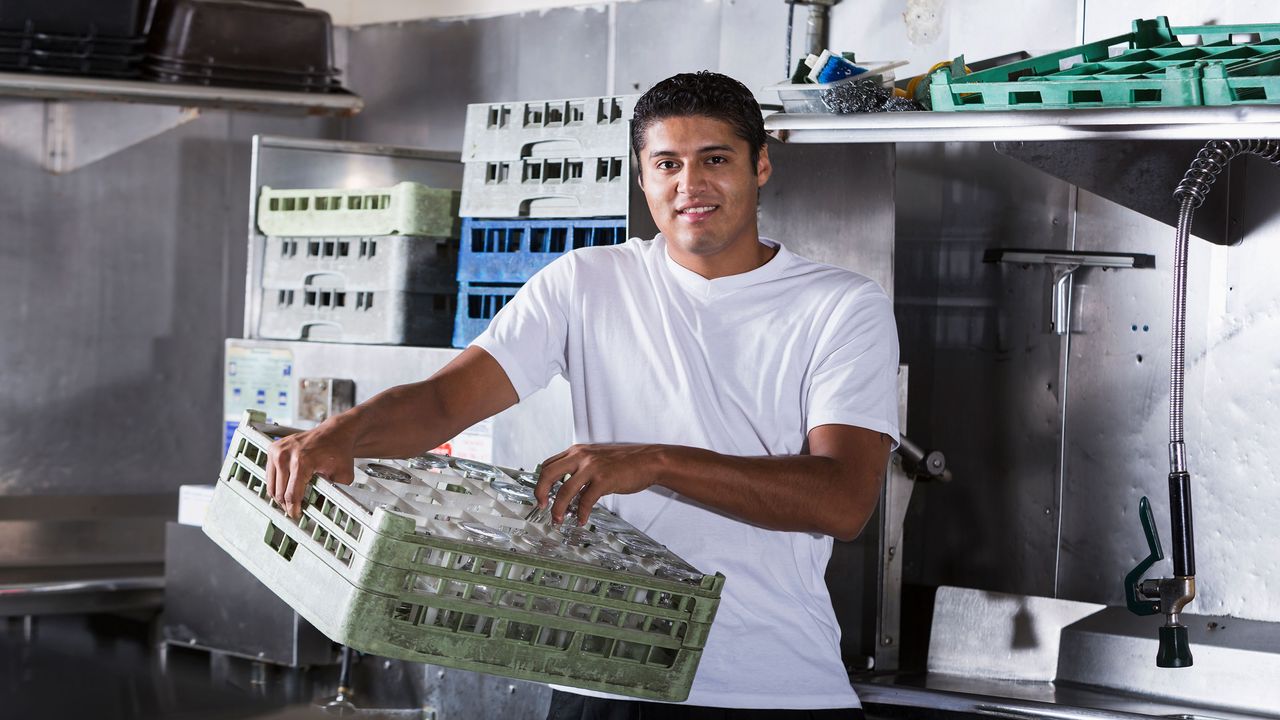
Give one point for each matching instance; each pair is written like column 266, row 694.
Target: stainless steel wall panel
column 417, row 78
column 984, row 371
column 753, row 45
column 117, row 276
column 659, row 38
column 814, row 192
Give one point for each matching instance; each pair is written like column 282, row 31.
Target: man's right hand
column 292, row 462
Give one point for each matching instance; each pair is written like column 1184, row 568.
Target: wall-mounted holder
column 1064, row 264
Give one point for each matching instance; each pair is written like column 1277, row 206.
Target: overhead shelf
column 1190, row 123
column 58, row 87
column 1138, row 175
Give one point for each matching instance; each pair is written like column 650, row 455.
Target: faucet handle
column 1139, row 602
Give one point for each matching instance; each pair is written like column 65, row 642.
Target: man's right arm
column 400, row 422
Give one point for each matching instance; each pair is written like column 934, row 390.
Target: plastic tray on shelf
column 1256, row 81
column 125, row 18
column 1148, row 67
column 83, row 50
column 511, row 251
column 403, row 263
column 431, row 560
column 82, row 44
column 554, row 187
column 265, row 36
column 325, row 309
column 39, row 61
column 477, row 303
column 193, row 74
column 407, row 208
column 582, row 127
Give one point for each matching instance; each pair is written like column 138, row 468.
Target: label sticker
column 257, row 379
column 474, row 443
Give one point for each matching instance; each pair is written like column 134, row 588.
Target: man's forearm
column 831, row 490
column 802, row 493
column 400, row 422
column 410, row 419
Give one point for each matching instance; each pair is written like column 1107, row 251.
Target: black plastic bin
column 80, row 37
column 122, row 66
column 118, row 18
column 248, row 43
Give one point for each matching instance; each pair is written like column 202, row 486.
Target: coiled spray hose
column 1169, row 596
column 1212, row 159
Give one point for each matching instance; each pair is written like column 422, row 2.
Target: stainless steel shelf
column 55, row 87
column 1193, row 123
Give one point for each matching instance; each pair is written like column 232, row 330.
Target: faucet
column 1171, row 594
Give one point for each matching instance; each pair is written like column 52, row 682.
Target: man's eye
column 666, row 165
column 717, row 159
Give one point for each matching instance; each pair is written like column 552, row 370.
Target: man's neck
column 740, row 259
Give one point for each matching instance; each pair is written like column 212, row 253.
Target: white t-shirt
column 741, row 365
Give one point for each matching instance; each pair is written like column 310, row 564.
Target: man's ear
column 764, row 168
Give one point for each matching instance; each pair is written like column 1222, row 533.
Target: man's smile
column 696, row 213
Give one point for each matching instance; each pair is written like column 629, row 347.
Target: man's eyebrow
column 701, row 151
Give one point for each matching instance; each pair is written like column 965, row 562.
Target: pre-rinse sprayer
column 1170, row 595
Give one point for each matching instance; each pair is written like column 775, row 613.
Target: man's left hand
column 594, row 471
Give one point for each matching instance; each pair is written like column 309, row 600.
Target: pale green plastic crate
column 394, row 584
column 408, row 208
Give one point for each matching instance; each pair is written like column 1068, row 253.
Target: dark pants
column 571, row 706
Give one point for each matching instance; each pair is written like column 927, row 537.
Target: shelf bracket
column 1141, row 176
column 65, row 135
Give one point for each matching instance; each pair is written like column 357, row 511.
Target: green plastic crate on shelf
column 391, row 566
column 1251, row 83
column 407, row 208
column 1151, row 69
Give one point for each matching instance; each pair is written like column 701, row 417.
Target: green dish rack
column 407, row 208
column 391, row 566
column 1148, row 67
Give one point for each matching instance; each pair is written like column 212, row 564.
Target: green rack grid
column 408, row 208
column 1148, row 67
column 368, row 573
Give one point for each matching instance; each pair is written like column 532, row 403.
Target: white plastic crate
column 433, row 561
column 399, row 263
column 562, row 187
column 582, row 127
column 327, row 311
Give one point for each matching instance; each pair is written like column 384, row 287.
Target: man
column 732, row 400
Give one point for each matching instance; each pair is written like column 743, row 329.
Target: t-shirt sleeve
column 528, row 336
column 855, row 378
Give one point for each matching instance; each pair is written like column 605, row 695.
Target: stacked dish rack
column 435, row 559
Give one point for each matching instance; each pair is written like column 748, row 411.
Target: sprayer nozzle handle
column 1175, row 647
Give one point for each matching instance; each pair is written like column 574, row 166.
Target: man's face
column 702, row 190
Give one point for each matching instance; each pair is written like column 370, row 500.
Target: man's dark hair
column 703, row 93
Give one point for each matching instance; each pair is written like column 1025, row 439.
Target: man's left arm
column 832, row 490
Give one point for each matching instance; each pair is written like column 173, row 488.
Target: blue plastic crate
column 477, row 304
column 511, row 251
